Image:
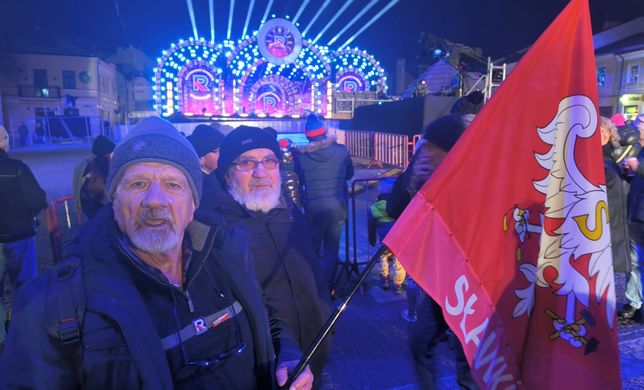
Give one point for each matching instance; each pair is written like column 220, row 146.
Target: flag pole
column 330, row 322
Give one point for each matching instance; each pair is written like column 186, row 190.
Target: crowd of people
column 194, row 266
column 210, row 260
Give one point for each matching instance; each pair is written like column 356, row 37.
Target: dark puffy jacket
column 617, row 193
column 281, row 247
column 122, row 348
column 21, row 199
column 324, row 168
column 636, row 195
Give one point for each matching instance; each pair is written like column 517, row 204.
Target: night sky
column 499, row 27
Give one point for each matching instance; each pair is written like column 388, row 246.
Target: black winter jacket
column 281, row 247
column 617, row 193
column 21, row 199
column 636, row 194
column 121, row 346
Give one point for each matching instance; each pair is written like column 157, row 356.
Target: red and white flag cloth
column 510, row 235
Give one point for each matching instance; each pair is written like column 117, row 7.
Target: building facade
column 619, row 56
column 57, row 97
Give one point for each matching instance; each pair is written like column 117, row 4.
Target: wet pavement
column 370, row 342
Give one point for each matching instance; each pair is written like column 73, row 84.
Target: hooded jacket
column 324, row 168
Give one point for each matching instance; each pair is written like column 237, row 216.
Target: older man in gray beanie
column 149, row 295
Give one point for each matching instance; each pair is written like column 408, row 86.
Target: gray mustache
column 156, row 214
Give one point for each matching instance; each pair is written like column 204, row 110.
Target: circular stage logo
column 280, row 42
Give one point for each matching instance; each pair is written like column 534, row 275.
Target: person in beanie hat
column 430, row 327
column 172, row 301
column 280, row 240
column 102, row 146
column 618, row 120
column 469, row 104
column 324, row 166
column 241, row 140
column 206, row 140
column 314, row 128
column 21, row 200
column 88, row 182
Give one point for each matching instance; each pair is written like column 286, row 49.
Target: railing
column 29, row 91
column 351, row 265
column 360, row 143
column 391, row 149
column 379, row 148
column 57, row 129
column 61, row 209
column 346, row 102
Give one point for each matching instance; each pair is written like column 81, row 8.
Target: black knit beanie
column 444, row 131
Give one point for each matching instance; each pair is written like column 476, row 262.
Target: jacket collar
column 318, row 145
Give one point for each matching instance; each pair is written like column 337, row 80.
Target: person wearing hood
column 88, row 182
column 324, row 166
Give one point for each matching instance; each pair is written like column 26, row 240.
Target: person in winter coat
column 324, row 166
column 617, row 192
column 430, row 327
column 634, row 167
column 250, row 200
column 150, row 297
column 88, row 183
column 21, row 199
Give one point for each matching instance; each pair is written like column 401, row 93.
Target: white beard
column 155, row 239
column 261, row 199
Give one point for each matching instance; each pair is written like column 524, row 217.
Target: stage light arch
column 199, row 78
column 356, row 64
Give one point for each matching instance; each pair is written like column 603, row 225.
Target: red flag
column 510, row 235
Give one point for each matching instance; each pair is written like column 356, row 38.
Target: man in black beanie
column 280, row 241
column 150, row 295
column 430, row 326
column 206, row 140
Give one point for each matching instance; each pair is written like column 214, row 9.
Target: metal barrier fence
column 379, row 148
column 61, row 209
column 391, row 149
column 351, row 265
column 360, row 143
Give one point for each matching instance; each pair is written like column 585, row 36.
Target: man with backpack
column 150, row 296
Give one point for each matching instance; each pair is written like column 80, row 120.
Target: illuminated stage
column 273, row 73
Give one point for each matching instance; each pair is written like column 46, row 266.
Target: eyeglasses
column 239, row 347
column 251, row 164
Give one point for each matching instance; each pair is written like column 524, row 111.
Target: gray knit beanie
column 155, row 140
